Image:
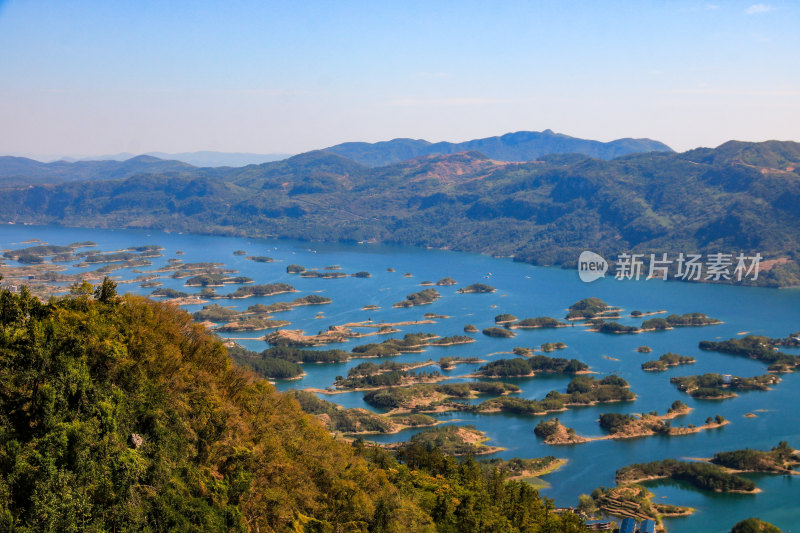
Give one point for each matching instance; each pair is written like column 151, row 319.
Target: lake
column 525, row 291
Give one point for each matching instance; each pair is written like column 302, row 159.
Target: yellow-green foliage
column 121, row 414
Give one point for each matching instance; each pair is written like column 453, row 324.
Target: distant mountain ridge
column 738, row 197
column 517, row 146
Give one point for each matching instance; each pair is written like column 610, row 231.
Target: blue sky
column 86, row 77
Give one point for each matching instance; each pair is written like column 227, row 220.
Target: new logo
column 591, row 266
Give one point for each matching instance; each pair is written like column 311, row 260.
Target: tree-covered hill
column 121, row 414
column 739, row 197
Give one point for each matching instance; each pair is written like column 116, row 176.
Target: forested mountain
column 518, row 146
column 121, row 414
column 739, row 197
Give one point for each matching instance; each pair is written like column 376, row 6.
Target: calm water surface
column 527, row 291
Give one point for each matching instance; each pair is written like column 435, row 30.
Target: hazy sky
column 101, row 77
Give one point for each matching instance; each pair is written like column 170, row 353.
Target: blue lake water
column 526, row 291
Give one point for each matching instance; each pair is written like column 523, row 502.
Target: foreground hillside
column 120, row 414
column 739, row 197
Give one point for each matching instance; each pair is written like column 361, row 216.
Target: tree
column 107, row 291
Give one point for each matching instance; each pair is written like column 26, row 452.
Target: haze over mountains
column 518, row 146
column 736, row 197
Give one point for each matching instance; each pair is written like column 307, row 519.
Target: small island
column 702, row 475
column 719, row 387
column 679, row 321
column 498, row 332
column 555, row 433
column 445, row 282
column 759, row 348
column 591, row 308
column 601, row 326
column 666, row 361
column 434, row 398
column 582, row 390
column 453, row 440
column 528, row 367
column 259, row 259
column 629, row 500
column 538, row 322
column 295, row 269
column 477, row 288
column 470, row 328
column 357, row 421
column 504, row 318
column 423, row 297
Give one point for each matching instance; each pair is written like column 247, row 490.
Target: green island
column 713, row 386
column 679, row 321
column 215, row 280
column 554, row 432
column 264, row 365
column 322, row 275
column 582, row 390
column 522, row 367
column 295, row 269
column 504, row 318
column 382, row 376
column 245, row 323
column 452, row 440
column 552, row 346
column 206, row 444
column 248, row 291
column 599, row 325
column 702, row 475
column 666, row 361
column 754, row 525
column 498, row 332
column 259, row 259
column 628, row 500
column 591, row 308
column 471, row 328
column 538, row 322
column 449, row 363
column 299, row 355
column 476, row 288
column 527, row 470
column 215, row 313
column 451, row 340
column 423, row 297
column 446, row 282
column 361, row 274
column 410, row 343
column 759, row 348
column 644, row 349
column 434, row 398
column 357, row 421
column 430, row 316
column 626, row 426
column 239, row 252
column 779, row 460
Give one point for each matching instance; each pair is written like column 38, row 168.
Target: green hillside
column 121, row 414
